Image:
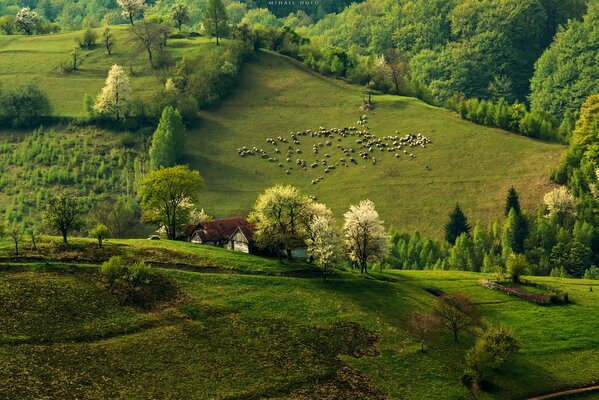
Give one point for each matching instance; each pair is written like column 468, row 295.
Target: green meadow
column 255, row 329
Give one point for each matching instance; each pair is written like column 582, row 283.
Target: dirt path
column 554, row 395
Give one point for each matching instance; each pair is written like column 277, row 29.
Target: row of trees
column 511, row 117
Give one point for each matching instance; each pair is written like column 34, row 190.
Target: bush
column 24, row 106
column 88, row 39
column 517, row 266
column 592, row 273
column 137, row 284
column 490, row 352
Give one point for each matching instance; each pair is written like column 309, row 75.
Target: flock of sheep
column 329, row 140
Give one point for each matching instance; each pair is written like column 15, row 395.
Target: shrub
column 88, row 39
column 24, row 106
column 592, row 273
column 517, row 266
column 137, row 284
column 490, row 352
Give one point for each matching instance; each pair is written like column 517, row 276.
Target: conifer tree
column 515, row 232
column 512, row 201
column 458, row 224
column 168, row 140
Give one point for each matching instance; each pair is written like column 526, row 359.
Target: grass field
column 465, row 163
column 246, row 336
column 37, row 59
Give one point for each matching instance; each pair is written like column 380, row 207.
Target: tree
column 163, row 193
column 457, row 225
column 456, row 313
column 7, row 25
column 25, row 105
column 512, row 201
column 215, row 19
column 517, row 266
column 26, row 20
column 107, row 39
column 148, row 35
column 559, row 201
column 423, row 326
column 325, row 244
column 15, row 232
column 281, row 215
column 180, row 14
column 120, row 216
column 63, row 214
column 131, row 9
column 365, row 236
column 168, row 140
column 88, row 40
column 515, row 232
column 100, row 232
column 490, row 352
column 397, row 69
column 33, row 231
column 75, row 58
column 114, row 99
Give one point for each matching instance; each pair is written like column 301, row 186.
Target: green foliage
column 168, row 141
column 215, row 20
column 457, row 225
column 88, row 37
column 592, row 273
column 491, row 350
column 512, row 201
column 517, row 266
column 24, row 106
column 566, row 74
column 7, row 25
column 63, row 214
column 136, row 283
column 100, row 232
column 165, row 197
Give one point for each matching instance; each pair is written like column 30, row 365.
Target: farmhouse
column 234, row 233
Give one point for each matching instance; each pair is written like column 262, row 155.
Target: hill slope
column 465, row 163
column 239, row 335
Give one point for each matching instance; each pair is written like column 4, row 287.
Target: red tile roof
column 222, row 229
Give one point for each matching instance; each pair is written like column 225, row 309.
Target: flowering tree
column 559, row 200
column 325, row 244
column 131, row 8
column 365, row 236
column 280, row 216
column 114, row 98
column 26, row 20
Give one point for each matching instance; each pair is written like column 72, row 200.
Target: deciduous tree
column 215, row 19
column 168, row 140
column 456, row 313
column 64, row 214
column 180, row 14
column 325, row 245
column 100, row 232
column 280, row 215
column 423, row 326
column 26, row 20
column 114, row 99
column 131, row 9
column 365, row 236
column 164, row 192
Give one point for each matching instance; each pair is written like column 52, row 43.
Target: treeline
column 512, row 117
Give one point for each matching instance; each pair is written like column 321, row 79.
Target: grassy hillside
column 465, row 163
column 37, row 59
column 253, row 336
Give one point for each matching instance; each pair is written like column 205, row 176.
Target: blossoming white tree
column 26, row 20
column 114, row 98
column 325, row 244
column 559, row 200
column 365, row 236
column 131, row 8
